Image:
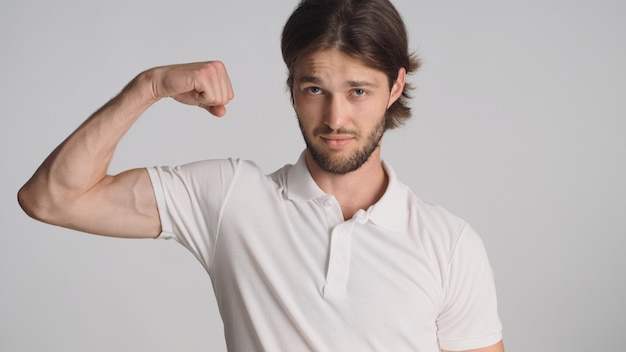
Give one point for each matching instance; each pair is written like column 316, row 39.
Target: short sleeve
column 469, row 317
column 190, row 199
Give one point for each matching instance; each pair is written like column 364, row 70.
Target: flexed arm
column 72, row 189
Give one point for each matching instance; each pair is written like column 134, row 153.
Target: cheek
column 298, row 101
column 306, row 122
column 304, row 114
column 306, row 109
column 372, row 110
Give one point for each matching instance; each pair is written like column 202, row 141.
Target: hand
column 204, row 84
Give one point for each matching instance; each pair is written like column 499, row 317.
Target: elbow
column 27, row 203
column 34, row 204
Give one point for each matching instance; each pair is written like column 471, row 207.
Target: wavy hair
column 371, row 31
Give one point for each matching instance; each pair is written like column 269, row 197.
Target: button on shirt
column 290, row 274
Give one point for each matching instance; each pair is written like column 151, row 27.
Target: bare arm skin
column 72, row 189
column 498, row 347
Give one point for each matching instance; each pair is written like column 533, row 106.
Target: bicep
column 119, row 206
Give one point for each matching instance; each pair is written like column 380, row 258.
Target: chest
column 303, row 260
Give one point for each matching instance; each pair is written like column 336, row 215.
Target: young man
column 330, row 254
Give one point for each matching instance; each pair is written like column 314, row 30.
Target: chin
column 339, row 164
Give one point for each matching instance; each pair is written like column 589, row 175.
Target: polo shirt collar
column 390, row 211
column 300, row 184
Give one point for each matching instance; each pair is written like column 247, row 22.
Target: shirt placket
column 339, row 260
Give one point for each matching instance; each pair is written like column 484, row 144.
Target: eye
column 314, row 90
column 359, row 92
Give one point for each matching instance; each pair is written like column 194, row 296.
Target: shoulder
column 204, row 177
column 433, row 224
column 420, row 217
column 431, row 214
column 209, row 168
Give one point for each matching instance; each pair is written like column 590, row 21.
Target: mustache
column 325, row 129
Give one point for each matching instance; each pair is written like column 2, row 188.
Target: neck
column 355, row 190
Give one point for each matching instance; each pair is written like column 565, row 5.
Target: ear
column 398, row 87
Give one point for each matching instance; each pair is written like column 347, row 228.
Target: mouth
column 337, row 141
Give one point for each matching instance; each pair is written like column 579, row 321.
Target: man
column 330, row 254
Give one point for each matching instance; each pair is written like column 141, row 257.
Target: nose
column 336, row 113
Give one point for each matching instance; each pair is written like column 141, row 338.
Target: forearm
column 82, row 160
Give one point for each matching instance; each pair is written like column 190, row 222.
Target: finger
column 188, row 98
column 212, row 98
column 217, row 111
column 222, row 86
column 217, row 101
column 227, row 87
column 218, row 90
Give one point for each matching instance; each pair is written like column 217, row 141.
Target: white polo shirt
column 290, row 274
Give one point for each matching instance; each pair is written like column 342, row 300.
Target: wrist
column 143, row 88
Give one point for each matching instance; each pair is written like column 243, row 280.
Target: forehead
column 333, row 64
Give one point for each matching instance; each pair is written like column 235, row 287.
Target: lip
column 337, row 141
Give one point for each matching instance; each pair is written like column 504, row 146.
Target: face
column 341, row 105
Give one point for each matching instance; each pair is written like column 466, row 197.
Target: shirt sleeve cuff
column 157, row 187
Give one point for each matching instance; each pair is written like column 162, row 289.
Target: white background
column 519, row 124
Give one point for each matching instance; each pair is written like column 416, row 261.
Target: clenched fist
column 205, row 84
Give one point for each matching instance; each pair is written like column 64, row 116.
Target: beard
column 341, row 165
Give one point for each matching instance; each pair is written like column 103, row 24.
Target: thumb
column 219, row 110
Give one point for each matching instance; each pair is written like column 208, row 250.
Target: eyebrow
column 354, row 84
column 350, row 83
column 309, row 79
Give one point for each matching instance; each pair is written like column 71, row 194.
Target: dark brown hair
column 370, row 31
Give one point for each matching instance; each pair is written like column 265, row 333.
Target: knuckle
column 214, row 66
column 218, row 64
